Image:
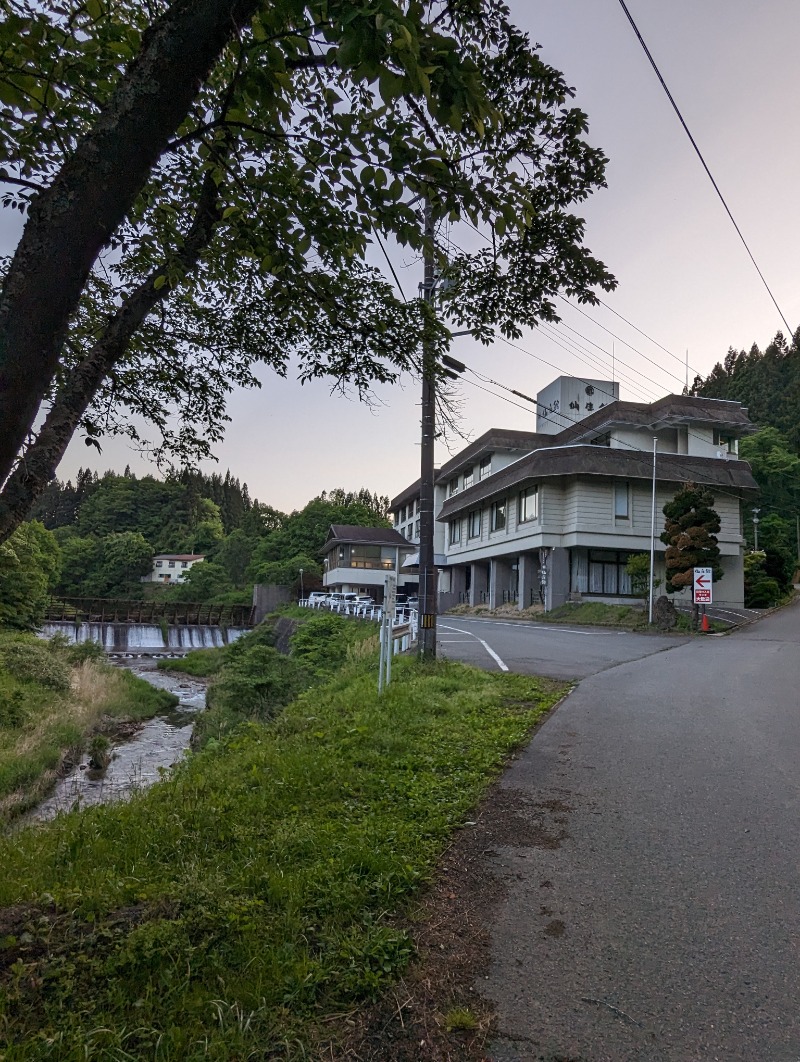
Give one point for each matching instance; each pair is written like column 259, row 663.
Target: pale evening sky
column 684, row 277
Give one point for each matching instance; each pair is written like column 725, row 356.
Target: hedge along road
column 556, row 652
column 653, row 915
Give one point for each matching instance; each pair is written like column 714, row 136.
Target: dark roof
column 490, row 442
column 588, row 460
column 180, row 556
column 406, row 495
column 373, row 536
column 669, row 411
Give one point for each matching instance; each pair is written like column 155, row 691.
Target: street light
column 755, row 529
column 302, row 594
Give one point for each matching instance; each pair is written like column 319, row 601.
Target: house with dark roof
column 356, row 560
column 554, row 515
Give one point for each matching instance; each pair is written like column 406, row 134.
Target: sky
column 684, row 277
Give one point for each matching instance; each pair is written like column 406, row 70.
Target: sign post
column 703, row 595
column 387, row 619
column 703, row 581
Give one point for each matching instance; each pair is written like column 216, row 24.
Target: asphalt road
column 558, row 652
column 653, row 913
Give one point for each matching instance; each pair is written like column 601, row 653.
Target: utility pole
column 427, row 567
column 652, row 532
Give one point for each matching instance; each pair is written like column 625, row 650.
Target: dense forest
column 768, row 383
column 96, row 537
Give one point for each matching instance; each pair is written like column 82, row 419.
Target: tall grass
column 49, row 708
column 225, row 910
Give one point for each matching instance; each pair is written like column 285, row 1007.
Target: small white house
column 172, row 567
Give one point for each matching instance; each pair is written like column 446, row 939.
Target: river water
column 137, row 761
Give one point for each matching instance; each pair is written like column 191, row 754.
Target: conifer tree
column 690, row 534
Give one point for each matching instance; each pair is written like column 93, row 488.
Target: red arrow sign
column 701, row 580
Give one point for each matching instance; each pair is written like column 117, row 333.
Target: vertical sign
column 387, row 620
column 703, row 579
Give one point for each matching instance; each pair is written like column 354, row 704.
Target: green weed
column 223, row 912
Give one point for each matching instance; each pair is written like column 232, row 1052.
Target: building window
column 455, row 532
column 159, row 564
column 184, row 564
column 453, row 486
column 474, row 524
column 607, row 573
column 401, row 516
column 622, row 501
column 469, row 478
column 528, row 505
column 416, row 529
column 172, row 564
column 498, row 515
column 725, row 441
column 486, row 467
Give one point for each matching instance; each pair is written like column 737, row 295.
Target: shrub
column 36, row 662
column 257, row 683
column 12, row 709
column 76, row 654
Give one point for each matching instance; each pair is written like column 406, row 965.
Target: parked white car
column 318, row 598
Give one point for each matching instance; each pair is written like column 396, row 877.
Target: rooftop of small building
column 353, row 534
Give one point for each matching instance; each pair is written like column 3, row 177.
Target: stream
column 137, row 761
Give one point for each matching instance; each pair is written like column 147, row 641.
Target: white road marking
column 486, row 646
column 549, row 629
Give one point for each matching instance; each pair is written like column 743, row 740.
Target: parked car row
column 351, row 602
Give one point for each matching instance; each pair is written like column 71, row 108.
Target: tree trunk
column 38, row 465
column 70, row 222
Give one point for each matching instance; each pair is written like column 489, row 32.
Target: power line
column 565, row 421
column 618, row 338
column 702, row 160
column 650, row 339
column 604, row 328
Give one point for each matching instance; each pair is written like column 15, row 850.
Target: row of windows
column 527, row 511
column 407, row 511
column 160, row 564
column 459, row 483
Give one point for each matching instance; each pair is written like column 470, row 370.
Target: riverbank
column 246, row 903
column 54, row 699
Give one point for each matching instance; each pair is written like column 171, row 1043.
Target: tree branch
column 38, row 464
column 73, row 219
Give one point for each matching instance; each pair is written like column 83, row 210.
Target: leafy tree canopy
column 108, row 566
column 202, row 179
column 689, row 534
column 29, row 564
column 278, row 556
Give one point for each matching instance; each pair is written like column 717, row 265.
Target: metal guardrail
column 405, row 621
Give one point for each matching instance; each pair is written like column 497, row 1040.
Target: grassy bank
column 232, row 909
column 251, row 681
column 53, row 698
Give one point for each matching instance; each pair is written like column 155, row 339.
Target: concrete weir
column 143, row 638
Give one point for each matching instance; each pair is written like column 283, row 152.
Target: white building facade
column 554, row 515
column 172, row 567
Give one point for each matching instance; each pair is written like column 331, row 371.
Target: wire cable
column 699, row 153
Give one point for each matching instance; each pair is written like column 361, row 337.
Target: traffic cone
column 706, row 626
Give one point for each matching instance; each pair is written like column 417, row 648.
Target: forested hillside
column 101, row 532
column 768, row 383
